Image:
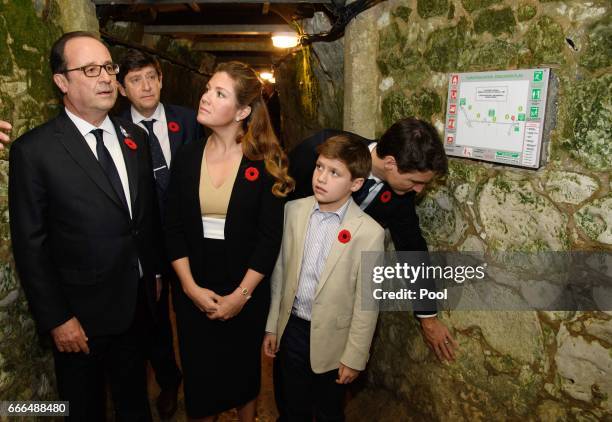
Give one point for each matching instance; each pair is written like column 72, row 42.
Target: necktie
column 362, row 193
column 108, row 165
column 160, row 167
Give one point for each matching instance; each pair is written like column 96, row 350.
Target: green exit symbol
column 536, row 94
column 461, row 101
column 533, row 112
column 491, row 112
column 538, row 75
column 521, row 117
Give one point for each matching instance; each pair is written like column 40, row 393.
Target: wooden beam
column 256, row 62
column 235, row 44
column 217, row 29
column 160, row 2
column 265, row 8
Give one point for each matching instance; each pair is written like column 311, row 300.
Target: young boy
column 316, row 322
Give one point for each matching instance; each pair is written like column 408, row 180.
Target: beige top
column 214, row 201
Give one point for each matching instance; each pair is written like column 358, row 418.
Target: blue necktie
column 160, row 167
column 108, row 165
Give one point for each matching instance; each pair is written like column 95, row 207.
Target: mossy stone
column 460, row 171
column 422, row 104
column 443, row 45
column 473, row 5
column 546, row 40
column 403, row 12
column 6, row 66
column 526, row 12
column 430, row 8
column 394, row 107
column 495, row 55
column 32, row 38
column 495, row 21
column 598, row 53
column 451, row 12
column 391, row 37
column 587, row 117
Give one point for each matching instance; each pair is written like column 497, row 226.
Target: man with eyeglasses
column 84, row 221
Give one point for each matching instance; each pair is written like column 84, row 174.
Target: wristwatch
column 244, row 292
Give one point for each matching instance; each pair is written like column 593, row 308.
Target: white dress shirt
column 111, row 142
column 160, row 127
column 320, row 236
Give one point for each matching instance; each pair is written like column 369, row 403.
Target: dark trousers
column 81, row 378
column 161, row 346
column 305, row 393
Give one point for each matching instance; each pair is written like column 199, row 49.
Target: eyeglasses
column 94, row 70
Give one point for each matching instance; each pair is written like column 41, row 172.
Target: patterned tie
column 108, row 165
column 362, row 193
column 160, row 167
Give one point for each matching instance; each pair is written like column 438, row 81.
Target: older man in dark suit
column 83, row 216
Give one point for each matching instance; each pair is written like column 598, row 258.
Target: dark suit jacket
column 188, row 130
column 398, row 214
column 253, row 225
column 76, row 248
column 188, row 127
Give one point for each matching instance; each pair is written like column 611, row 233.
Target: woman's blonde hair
column 258, row 141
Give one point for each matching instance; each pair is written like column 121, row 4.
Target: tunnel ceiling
column 229, row 30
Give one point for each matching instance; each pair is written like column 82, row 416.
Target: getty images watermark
column 503, row 281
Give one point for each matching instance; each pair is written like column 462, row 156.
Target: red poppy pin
column 130, row 143
column 385, row 197
column 344, row 236
column 251, row 174
column 173, row 127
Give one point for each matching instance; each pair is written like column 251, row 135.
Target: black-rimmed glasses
column 94, row 70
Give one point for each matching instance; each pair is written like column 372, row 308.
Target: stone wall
column 27, row 99
column 309, row 83
column 549, row 366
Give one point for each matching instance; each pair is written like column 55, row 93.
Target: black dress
column 221, row 360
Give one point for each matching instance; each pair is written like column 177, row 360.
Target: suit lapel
column 351, row 222
column 303, row 218
column 173, row 137
column 77, row 147
column 193, row 181
column 131, row 162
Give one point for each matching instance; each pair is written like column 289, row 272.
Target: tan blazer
column 340, row 330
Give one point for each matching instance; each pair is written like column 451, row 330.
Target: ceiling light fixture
column 284, row 39
column 266, row 76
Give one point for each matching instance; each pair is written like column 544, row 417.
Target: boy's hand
column 269, row 345
column 346, row 375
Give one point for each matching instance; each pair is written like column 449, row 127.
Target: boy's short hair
column 415, row 145
column 351, row 151
column 135, row 60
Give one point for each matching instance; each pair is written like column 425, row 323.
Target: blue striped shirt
column 321, row 234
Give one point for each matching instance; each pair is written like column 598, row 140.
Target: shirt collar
column 340, row 212
column 158, row 114
column 371, row 146
column 85, row 127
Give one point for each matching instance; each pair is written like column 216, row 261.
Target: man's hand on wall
column 5, row 127
column 438, row 338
